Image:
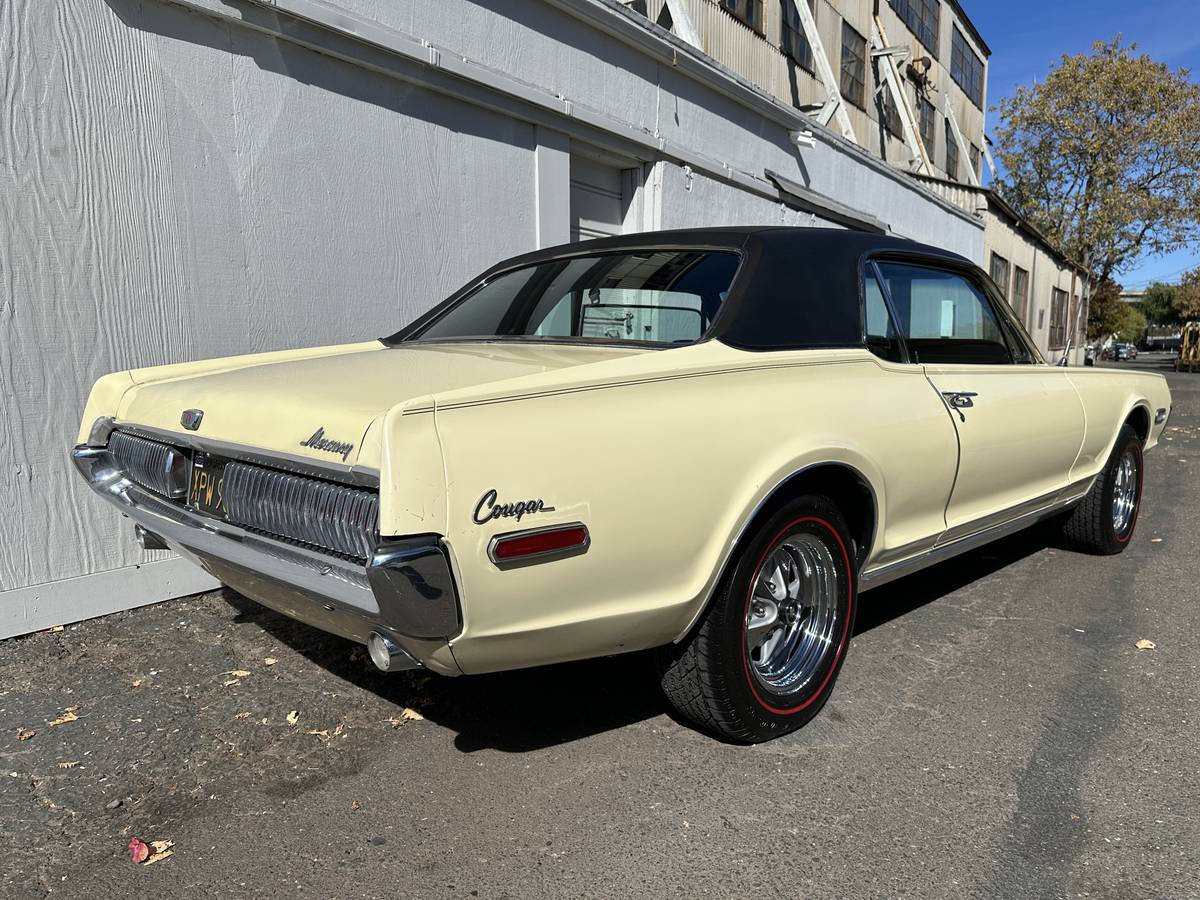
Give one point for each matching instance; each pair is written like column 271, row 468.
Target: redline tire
column 1092, row 526
column 713, row 677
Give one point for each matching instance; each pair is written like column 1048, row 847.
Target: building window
column 748, row 11
column 1020, row 294
column 1000, row 274
column 891, row 115
column 966, row 68
column 928, row 123
column 975, row 157
column 921, row 17
column 793, row 41
column 951, row 153
column 854, row 66
column 1058, row 319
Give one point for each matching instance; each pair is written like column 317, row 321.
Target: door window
column 881, row 337
column 943, row 318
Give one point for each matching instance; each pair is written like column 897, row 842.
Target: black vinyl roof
column 795, row 287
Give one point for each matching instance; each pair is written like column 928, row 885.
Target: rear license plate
column 208, row 476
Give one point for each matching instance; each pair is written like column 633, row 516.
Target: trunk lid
column 321, row 407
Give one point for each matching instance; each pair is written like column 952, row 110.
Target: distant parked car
column 1125, row 351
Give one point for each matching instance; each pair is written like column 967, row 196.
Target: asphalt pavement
column 996, row 732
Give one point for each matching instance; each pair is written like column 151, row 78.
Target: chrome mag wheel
column 1125, row 492
column 792, row 620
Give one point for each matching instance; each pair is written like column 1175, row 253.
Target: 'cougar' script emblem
column 487, row 509
column 318, row 441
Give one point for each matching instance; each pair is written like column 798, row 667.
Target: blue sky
column 1028, row 36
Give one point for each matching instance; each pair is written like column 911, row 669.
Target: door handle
column 959, row 400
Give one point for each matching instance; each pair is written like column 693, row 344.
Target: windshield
column 653, row 296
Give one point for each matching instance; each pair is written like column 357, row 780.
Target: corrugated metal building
column 182, row 179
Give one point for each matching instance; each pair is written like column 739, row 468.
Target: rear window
column 647, row 296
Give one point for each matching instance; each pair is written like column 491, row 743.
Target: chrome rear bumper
column 406, row 591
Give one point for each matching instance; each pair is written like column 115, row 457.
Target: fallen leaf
column 24, row 734
column 1144, row 644
column 139, row 852
column 293, row 717
column 162, row 849
column 242, row 715
column 231, row 682
column 237, row 673
column 406, row 715
column 355, row 805
column 137, row 682
column 270, row 661
column 68, row 765
column 67, row 716
column 325, row 734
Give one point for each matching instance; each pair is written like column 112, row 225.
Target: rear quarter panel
column 664, row 472
column 1109, row 396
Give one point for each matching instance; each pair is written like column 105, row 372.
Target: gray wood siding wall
column 173, row 188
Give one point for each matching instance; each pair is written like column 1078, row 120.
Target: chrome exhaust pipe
column 387, row 655
column 148, row 540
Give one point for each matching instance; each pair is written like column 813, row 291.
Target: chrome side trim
column 535, row 558
column 360, row 476
column 884, row 574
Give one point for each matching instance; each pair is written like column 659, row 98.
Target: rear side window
column 651, row 296
column 943, row 317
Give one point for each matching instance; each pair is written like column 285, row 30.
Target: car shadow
column 514, row 712
column 891, row 601
column 547, row 706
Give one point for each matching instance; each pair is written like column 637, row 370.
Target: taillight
column 539, row 545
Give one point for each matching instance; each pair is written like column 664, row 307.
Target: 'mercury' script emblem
column 318, row 441
column 488, row 509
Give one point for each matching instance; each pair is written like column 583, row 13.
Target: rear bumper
column 406, row 591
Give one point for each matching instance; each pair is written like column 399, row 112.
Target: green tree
column 1103, row 155
column 1108, row 315
column 1131, row 324
column 1158, row 304
column 1187, row 296
column 1104, row 310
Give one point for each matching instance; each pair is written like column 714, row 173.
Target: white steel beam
column 834, row 106
column 885, row 58
column 682, row 21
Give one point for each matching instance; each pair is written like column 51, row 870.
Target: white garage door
column 597, row 205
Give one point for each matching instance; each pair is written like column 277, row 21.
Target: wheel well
column 846, row 488
column 1139, row 420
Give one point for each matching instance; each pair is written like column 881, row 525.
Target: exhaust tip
column 387, row 655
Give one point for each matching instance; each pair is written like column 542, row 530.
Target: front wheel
column 763, row 659
column 1104, row 520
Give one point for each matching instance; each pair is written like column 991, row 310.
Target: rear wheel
column 763, row 659
column 1104, row 520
